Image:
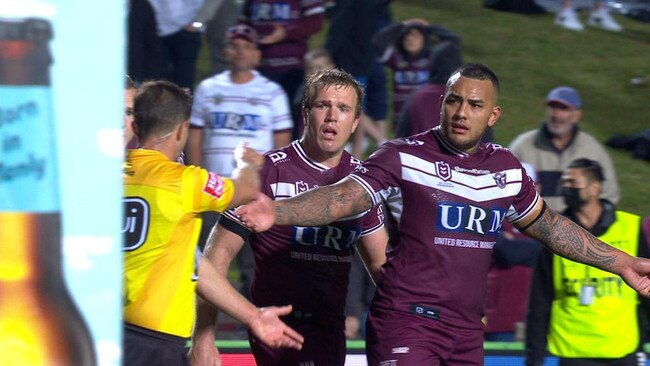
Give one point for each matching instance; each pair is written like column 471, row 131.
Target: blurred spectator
column 422, row 108
column 587, row 316
column 146, row 53
column 376, row 102
column 508, row 281
column 349, row 42
column 599, row 17
column 179, row 24
column 407, row 50
column 557, row 142
column 223, row 17
column 285, row 28
column 236, row 105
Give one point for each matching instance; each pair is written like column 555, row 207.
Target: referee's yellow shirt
column 163, row 201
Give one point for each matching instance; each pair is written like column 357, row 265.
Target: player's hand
column 272, row 331
column 244, row 155
column 204, row 355
column 277, row 35
column 259, row 214
column 637, row 275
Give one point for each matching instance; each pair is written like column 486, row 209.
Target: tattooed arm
column 317, row 207
column 567, row 239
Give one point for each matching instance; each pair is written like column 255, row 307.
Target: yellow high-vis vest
column 608, row 326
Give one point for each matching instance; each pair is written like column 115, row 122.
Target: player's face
column 468, row 108
column 560, row 118
column 242, row 55
column 331, row 119
column 129, row 94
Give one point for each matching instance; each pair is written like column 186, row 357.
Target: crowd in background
column 260, row 62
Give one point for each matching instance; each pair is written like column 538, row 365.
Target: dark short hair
column 590, row 168
column 477, row 71
column 325, row 79
column 159, row 107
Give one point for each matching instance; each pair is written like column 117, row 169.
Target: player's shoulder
column 497, row 151
column 275, row 158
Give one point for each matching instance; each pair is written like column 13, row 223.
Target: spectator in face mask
column 587, row 316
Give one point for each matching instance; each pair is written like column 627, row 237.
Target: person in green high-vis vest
column 588, row 317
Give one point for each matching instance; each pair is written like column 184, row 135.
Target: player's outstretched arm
column 317, row 207
column 213, row 286
column 569, row 240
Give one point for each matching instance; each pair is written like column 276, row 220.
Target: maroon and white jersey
column 306, row 267
column 300, row 18
column 408, row 75
column 447, row 207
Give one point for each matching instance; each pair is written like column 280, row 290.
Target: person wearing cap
column 586, row 316
column 236, row 105
column 406, row 48
column 559, row 141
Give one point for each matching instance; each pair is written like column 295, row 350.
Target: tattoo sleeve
column 323, row 205
column 569, row 240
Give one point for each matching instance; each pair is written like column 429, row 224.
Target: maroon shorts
column 405, row 339
column 323, row 347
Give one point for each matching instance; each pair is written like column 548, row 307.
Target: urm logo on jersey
column 271, row 12
column 325, row 236
column 456, row 217
column 136, row 222
column 235, row 121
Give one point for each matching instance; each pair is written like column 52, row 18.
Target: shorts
column 405, row 339
column 145, row 347
column 323, row 346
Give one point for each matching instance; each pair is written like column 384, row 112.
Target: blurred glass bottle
column 39, row 322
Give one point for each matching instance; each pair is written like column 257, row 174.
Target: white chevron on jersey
column 478, row 188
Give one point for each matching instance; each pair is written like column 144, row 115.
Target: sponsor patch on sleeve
column 214, row 186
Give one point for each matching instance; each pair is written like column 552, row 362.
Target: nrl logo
column 444, row 170
column 252, row 101
column 217, row 99
column 301, row 187
column 500, row 180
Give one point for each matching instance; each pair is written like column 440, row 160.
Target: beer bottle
column 39, row 322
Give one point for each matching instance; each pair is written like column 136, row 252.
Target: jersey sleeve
column 525, row 200
column 380, row 174
column 197, row 117
column 373, row 220
column 205, row 191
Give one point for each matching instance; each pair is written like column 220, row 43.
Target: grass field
column 531, row 55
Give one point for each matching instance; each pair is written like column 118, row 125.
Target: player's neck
column 329, row 159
